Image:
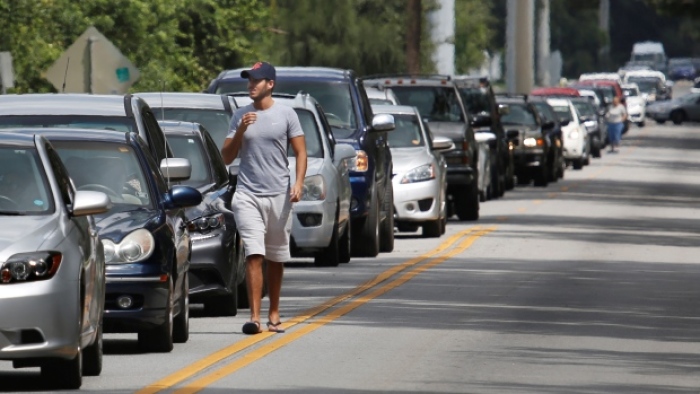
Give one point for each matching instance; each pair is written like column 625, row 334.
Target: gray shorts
column 264, row 224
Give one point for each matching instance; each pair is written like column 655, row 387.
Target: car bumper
column 35, row 325
column 210, row 264
column 316, row 232
column 150, row 294
column 417, row 202
column 528, row 159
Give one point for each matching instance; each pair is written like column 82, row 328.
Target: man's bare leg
column 254, row 283
column 275, row 271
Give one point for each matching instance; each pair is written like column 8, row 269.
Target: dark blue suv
column 345, row 103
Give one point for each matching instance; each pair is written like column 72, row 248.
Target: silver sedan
column 52, row 268
column 419, row 172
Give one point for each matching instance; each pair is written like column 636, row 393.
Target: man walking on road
column 262, row 203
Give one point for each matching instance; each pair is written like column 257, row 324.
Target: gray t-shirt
column 264, row 168
column 616, row 113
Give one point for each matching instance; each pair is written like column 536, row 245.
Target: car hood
column 406, row 159
column 451, row 130
column 314, row 166
column 116, row 226
column 24, row 233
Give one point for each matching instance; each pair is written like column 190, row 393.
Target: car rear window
column 436, row 103
column 216, row 122
column 189, row 147
column 407, row 133
column 312, row 136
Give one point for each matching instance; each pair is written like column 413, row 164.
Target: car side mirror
column 176, row 169
column 512, row 134
column 383, row 122
column 182, row 197
column 443, row 144
column 343, row 152
column 90, row 203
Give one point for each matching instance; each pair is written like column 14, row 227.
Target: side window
column 153, row 167
column 62, row 176
column 364, row 102
column 220, row 169
column 155, row 135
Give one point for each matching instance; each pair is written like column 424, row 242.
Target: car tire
column 159, row 339
column 64, row 374
column 467, row 205
column 641, row 124
column 432, row 228
column 677, row 117
column 577, row 164
column 386, row 231
column 660, row 121
column 345, row 244
column 227, row 304
column 367, row 236
column 92, row 355
column 330, row 256
column 181, row 322
column 443, row 225
column 542, row 178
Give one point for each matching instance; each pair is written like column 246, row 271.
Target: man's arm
column 299, row 148
column 232, row 146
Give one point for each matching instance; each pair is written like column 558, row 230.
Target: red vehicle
column 605, row 82
column 555, row 92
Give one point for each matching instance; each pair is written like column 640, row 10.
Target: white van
column 650, row 52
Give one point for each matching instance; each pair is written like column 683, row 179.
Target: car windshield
column 119, row 123
column 407, row 133
column 24, row 189
column 475, row 101
column 435, row 103
column 109, row 167
column 190, row 147
column 334, row 97
column 563, row 112
column 215, row 121
column 629, row 92
column 584, row 108
column 312, row 136
column 543, row 111
column 518, row 114
column 646, row 84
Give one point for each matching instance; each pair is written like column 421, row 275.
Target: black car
column 145, row 237
column 440, row 104
column 213, row 111
column 480, row 102
column 532, row 146
column 85, row 111
column 593, row 122
column 347, row 108
column 217, row 270
column 551, row 125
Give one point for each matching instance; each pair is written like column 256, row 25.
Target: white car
column 577, row 143
column 636, row 103
column 381, row 95
column 598, row 76
column 321, row 220
column 483, row 139
column 419, row 178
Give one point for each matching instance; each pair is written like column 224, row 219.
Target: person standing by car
column 616, row 117
column 261, row 133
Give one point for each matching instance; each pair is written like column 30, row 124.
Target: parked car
column 551, row 125
column 595, row 98
column 212, row 111
column 420, row 172
column 593, row 123
column 86, row 111
column 696, row 86
column 479, row 100
column 485, row 141
column 217, row 267
column 683, row 109
column 577, row 142
column 604, row 76
column 144, row 235
column 381, row 96
column 51, row 317
column 681, row 69
column 556, row 91
column 531, row 146
column 440, row 104
column 321, row 225
column 652, row 84
column 347, row 108
column 636, row 104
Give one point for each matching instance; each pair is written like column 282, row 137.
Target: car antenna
column 65, row 76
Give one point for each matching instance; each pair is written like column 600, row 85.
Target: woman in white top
column 616, row 117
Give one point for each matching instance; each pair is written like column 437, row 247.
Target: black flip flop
column 252, row 327
column 272, row 327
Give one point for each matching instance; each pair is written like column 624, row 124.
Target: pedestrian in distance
column 615, row 117
column 259, row 135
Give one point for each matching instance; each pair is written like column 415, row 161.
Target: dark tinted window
column 216, row 122
column 24, row 188
column 518, row 114
column 407, row 133
column 69, row 121
column 314, row 147
column 544, row 111
column 585, row 109
column 476, row 101
column 190, row 147
column 436, row 103
column 563, row 112
column 217, row 162
column 645, row 84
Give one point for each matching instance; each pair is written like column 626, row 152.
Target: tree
column 475, row 27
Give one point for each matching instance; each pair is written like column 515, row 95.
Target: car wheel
column 542, row 178
column 432, row 228
column 65, row 374
column 443, row 225
column 181, row 323
column 578, row 164
column 160, row 338
column 524, row 180
column 226, row 304
column 660, row 121
column 367, row 236
column 346, row 244
column 467, row 204
column 677, row 117
column 92, row 355
column 330, row 256
column 386, row 232
column 641, row 124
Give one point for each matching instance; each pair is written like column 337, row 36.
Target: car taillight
column 29, row 267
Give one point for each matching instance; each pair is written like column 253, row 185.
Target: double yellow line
column 170, row 381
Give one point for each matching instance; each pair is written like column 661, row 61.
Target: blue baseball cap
column 260, row 70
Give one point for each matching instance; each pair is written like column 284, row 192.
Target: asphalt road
column 587, row 286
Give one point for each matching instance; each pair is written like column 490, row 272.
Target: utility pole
column 442, row 33
column 520, row 46
column 414, row 11
column 604, row 26
column 543, row 42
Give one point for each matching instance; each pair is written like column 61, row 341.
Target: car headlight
column 205, row 224
column 361, row 162
column 314, row 188
column 136, row 246
column 573, row 134
column 30, row 267
column 419, row 174
column 533, row 142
